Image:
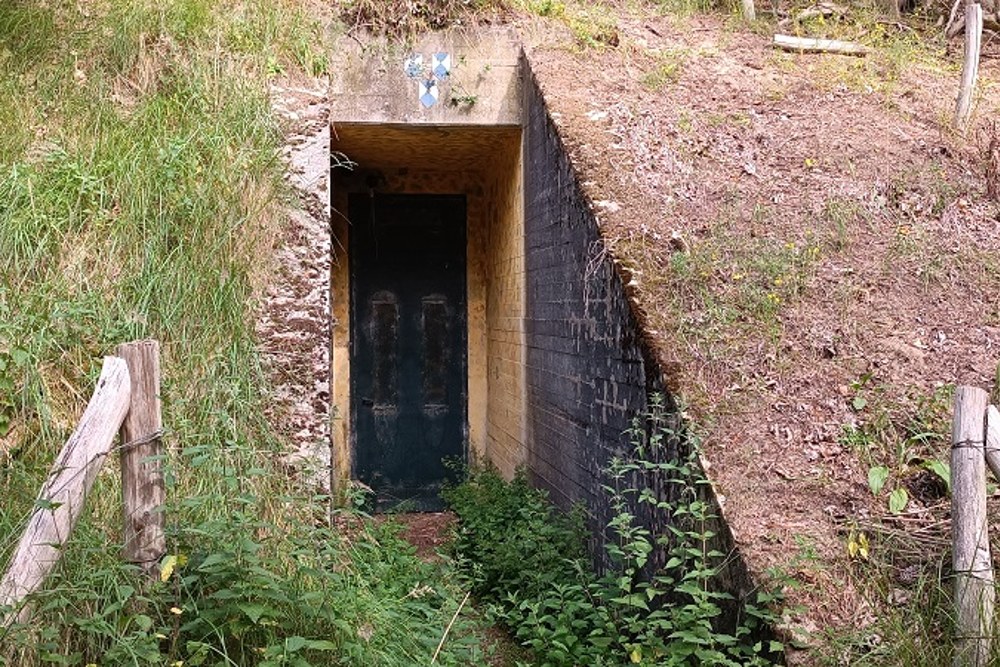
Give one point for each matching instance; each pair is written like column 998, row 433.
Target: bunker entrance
column 409, row 327
column 428, row 306
column 556, row 366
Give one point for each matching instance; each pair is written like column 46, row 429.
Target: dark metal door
column 408, row 343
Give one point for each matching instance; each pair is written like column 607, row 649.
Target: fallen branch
column 823, row 9
column 809, row 45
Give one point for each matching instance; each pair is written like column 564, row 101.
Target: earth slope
column 813, row 249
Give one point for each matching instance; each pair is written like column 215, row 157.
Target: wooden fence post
column 973, row 567
column 970, row 66
column 993, row 440
column 143, row 491
column 64, row 493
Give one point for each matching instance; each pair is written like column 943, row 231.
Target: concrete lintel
column 371, row 82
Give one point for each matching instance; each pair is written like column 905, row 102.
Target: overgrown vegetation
column 405, row 19
column 723, row 288
column 140, row 184
column 525, row 561
column 900, row 563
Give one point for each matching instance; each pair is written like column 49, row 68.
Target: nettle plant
column 656, row 603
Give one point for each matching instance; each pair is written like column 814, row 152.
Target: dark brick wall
column 588, row 374
column 589, row 371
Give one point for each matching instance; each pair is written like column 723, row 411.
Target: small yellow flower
column 167, row 567
column 738, row 277
column 857, row 545
column 777, row 281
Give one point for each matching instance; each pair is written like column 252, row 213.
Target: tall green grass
column 139, row 192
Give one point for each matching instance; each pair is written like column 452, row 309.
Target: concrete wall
column 379, row 82
column 505, row 308
column 588, row 375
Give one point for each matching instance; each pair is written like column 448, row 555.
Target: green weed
column 685, row 7
column 725, row 286
column 843, row 215
column 668, row 71
column 907, row 582
column 655, row 605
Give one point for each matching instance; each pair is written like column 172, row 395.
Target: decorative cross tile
column 414, row 66
column 441, row 65
column 429, row 92
column 428, row 76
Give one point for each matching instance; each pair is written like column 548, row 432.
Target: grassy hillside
column 140, row 185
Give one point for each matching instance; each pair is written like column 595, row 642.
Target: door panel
column 408, row 343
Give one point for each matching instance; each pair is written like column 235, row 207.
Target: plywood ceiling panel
column 440, row 147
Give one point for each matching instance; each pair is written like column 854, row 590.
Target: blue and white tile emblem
column 430, row 74
column 414, row 66
column 441, row 65
column 429, row 92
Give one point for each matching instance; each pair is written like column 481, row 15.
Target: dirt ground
column 812, row 249
column 428, row 532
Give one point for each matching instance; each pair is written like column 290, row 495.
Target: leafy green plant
column 12, row 367
column 898, row 500
column 942, row 469
column 655, row 605
column 876, row 478
column 666, row 72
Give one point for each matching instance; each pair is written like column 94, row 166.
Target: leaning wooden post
column 974, row 593
column 970, row 67
column 64, row 493
column 143, row 491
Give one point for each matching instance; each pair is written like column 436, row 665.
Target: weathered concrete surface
column 371, row 84
column 294, row 323
column 590, row 371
